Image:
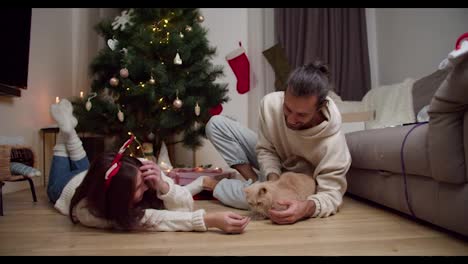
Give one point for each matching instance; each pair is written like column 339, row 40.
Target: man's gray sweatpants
column 236, row 144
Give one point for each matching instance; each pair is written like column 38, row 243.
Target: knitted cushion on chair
column 23, row 155
column 22, row 169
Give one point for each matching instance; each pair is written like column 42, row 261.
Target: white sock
column 196, row 186
column 74, row 146
column 63, row 115
column 60, row 138
column 60, row 150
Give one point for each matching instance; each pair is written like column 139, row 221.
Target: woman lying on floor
column 121, row 192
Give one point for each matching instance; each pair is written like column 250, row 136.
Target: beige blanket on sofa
column 393, row 104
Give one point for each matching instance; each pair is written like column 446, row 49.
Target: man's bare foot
column 209, row 183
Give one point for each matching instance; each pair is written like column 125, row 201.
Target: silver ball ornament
column 177, row 103
column 200, row 18
column 124, row 73
column 114, row 81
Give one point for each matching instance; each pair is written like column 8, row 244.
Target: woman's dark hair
column 116, row 203
column 310, row 79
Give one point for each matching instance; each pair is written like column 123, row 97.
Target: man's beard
column 298, row 126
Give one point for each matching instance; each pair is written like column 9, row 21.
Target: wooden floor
column 359, row 229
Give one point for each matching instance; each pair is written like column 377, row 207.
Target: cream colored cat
column 262, row 196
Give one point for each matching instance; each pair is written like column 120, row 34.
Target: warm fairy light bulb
column 57, row 100
column 81, row 94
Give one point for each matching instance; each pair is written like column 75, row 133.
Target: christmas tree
column 153, row 79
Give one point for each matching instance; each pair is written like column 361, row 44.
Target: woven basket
column 15, row 153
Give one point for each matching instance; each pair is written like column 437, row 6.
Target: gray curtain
column 337, row 36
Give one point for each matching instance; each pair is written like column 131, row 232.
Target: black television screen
column 16, row 29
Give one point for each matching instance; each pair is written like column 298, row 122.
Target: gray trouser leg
column 231, row 192
column 234, row 142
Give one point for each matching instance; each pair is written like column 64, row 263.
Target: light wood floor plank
column 360, row 228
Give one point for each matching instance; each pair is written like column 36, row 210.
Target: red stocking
column 240, row 65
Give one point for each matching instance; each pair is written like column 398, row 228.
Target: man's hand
column 272, row 177
column 295, row 211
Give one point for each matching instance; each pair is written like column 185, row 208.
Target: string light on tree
column 188, row 28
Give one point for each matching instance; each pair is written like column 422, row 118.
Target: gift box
column 184, row 176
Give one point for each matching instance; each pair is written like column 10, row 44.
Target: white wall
column 226, row 27
column 411, row 42
column 254, row 27
column 62, row 44
column 50, row 74
column 261, row 36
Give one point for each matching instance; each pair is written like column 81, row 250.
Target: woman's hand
column 151, row 174
column 229, row 222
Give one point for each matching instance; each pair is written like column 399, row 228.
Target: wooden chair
column 10, row 154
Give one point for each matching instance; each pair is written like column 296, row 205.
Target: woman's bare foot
column 209, row 183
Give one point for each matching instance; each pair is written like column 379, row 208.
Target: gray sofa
column 435, row 155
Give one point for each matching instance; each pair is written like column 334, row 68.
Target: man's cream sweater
column 178, row 216
column 320, row 151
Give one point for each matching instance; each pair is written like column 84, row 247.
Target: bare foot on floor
column 209, row 183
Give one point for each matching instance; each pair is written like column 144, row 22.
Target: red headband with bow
column 116, row 164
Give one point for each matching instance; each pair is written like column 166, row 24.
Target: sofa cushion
column 446, row 133
column 424, row 89
column 379, row 149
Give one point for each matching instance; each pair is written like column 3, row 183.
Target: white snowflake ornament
column 123, row 20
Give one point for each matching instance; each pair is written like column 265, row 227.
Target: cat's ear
column 262, row 191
